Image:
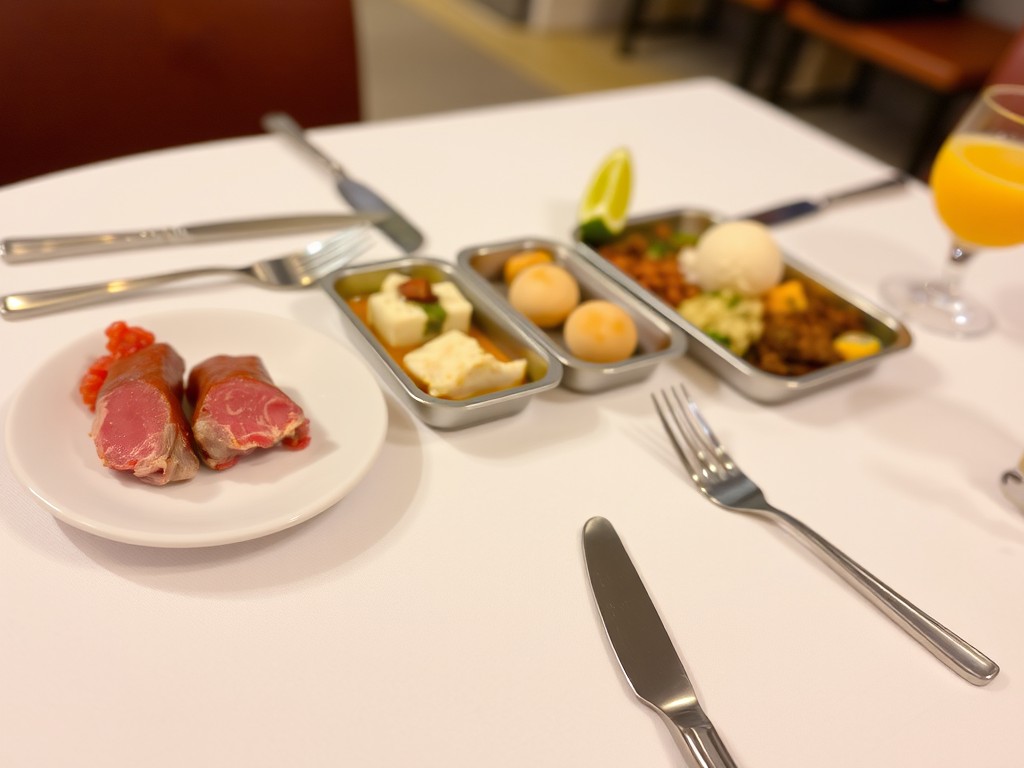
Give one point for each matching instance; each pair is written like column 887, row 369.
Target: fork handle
column 957, row 654
column 23, row 305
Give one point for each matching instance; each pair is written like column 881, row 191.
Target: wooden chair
column 949, row 55
column 761, row 14
column 1010, row 68
column 88, row 81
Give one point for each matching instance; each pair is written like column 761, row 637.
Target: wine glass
column 977, row 182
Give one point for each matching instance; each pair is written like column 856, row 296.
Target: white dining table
column 440, row 614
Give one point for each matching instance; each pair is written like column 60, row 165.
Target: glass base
column 935, row 309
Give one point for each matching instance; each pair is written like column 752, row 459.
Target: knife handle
column 20, row 249
column 704, row 744
column 284, row 125
column 25, row 249
column 896, row 180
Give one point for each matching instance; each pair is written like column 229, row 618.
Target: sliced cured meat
column 237, row 409
column 139, row 425
column 122, row 340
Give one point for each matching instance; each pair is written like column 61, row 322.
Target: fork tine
column 335, row 250
column 695, row 444
column 707, row 460
column 674, row 429
column 701, row 431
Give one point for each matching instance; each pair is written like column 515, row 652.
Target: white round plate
column 52, row 454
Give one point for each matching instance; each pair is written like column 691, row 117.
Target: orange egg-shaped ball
column 524, row 260
column 545, row 293
column 600, row 332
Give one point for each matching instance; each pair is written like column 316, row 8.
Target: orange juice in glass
column 978, row 184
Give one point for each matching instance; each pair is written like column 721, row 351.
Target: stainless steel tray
column 507, row 332
column 657, row 339
column 753, row 382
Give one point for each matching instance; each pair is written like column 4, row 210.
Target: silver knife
column 16, row 250
column 643, row 647
column 1013, row 487
column 798, row 208
column 358, row 195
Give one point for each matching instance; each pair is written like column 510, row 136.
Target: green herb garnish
column 436, row 316
column 680, row 239
column 658, row 250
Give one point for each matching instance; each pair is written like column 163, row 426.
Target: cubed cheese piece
column 455, row 366
column 398, row 322
column 455, row 305
column 403, row 323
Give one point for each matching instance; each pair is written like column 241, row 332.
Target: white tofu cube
column 456, row 307
column 455, row 366
column 398, row 322
column 403, row 323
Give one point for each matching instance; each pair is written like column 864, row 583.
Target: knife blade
column 17, row 250
column 393, row 224
column 644, row 648
column 799, row 208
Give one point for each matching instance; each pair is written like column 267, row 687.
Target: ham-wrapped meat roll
column 237, row 409
column 139, row 425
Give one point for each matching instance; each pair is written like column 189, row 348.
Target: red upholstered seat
column 1010, row 68
column 88, row 81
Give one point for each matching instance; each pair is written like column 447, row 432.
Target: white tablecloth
column 440, row 615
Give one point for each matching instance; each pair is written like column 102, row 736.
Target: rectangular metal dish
column 751, row 381
column 507, row 332
column 657, row 340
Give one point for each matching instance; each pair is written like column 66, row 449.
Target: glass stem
column 947, row 285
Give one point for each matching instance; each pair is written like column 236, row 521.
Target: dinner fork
column 718, row 477
column 293, row 270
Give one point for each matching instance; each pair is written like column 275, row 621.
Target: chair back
column 88, row 80
column 1010, row 68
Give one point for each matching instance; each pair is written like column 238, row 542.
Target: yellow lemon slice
column 603, row 210
column 853, row 345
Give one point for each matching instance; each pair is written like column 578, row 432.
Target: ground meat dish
column 650, row 261
column 796, row 343
column 793, row 343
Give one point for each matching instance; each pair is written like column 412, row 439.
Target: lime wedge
column 603, row 210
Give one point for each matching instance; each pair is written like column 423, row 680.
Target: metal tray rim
column 747, row 378
column 676, row 339
column 426, row 405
